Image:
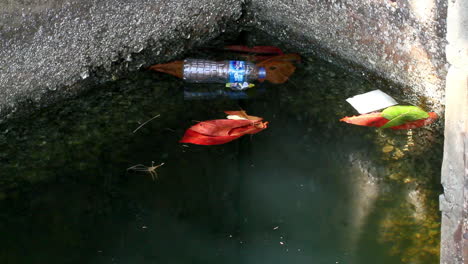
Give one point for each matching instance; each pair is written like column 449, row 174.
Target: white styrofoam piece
column 371, row 101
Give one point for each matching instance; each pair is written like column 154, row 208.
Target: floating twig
column 156, row 116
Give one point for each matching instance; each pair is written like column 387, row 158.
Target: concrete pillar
column 454, row 201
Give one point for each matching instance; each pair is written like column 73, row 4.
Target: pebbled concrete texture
column 403, row 40
column 454, row 201
column 48, row 47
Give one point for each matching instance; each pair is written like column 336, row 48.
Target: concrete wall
column 454, row 201
column 402, row 40
column 47, row 46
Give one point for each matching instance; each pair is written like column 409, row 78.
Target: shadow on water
column 308, row 189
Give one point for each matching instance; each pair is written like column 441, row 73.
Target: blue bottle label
column 237, row 71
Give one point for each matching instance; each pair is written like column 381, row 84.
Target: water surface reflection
column 307, row 189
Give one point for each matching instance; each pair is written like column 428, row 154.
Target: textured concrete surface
column 48, row 46
column 51, row 45
column 403, row 41
column 454, row 201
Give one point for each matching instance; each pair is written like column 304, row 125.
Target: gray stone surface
column 48, row 46
column 402, row 40
column 454, row 201
column 453, row 169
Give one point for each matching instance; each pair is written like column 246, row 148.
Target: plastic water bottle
column 232, row 71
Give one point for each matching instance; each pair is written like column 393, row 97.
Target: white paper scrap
column 371, row 101
column 236, row 117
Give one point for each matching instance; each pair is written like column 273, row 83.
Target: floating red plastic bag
column 371, row 120
column 220, row 131
column 196, row 138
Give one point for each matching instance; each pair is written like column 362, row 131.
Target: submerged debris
column 151, row 170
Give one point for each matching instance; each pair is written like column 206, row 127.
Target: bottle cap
column 261, row 73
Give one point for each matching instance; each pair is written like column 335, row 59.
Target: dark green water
column 309, row 189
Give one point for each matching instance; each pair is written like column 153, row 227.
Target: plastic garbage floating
column 371, row 101
column 394, row 117
column 275, row 69
column 221, row 131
